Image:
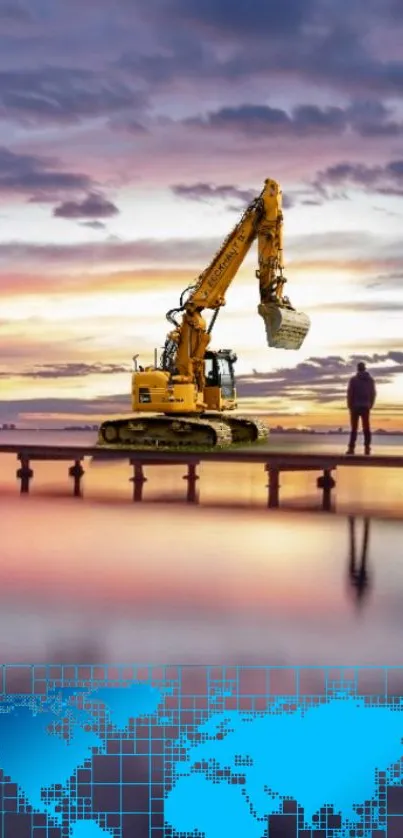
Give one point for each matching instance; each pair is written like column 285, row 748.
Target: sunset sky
column 134, row 132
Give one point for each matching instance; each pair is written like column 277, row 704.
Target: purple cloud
column 94, row 205
column 208, row 192
column 196, row 253
column 255, row 19
column 93, row 225
column 382, row 179
column 30, row 174
column 67, row 370
column 262, row 120
column 327, row 44
column 63, row 94
column 368, row 119
column 216, row 192
column 11, row 11
column 322, row 380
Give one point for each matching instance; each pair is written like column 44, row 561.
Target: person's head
column 361, row 367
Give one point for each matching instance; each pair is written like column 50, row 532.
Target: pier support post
column 192, row 478
column 326, row 483
column 138, row 480
column 273, row 500
column 76, row 472
column 24, row 474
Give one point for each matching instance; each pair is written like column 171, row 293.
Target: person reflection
column 358, row 573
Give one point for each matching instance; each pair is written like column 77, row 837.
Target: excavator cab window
column 219, row 372
column 226, row 376
column 211, row 372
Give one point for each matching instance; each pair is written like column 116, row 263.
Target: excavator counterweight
column 187, row 400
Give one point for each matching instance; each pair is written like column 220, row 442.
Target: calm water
column 188, row 584
column 103, row 579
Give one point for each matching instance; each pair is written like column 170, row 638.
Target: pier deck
column 261, row 454
column 274, row 462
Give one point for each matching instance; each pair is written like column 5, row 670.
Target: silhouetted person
column 358, row 571
column 361, row 394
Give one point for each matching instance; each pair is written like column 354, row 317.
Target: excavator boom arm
column 186, row 344
column 262, row 219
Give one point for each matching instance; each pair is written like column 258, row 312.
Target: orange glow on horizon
column 83, row 317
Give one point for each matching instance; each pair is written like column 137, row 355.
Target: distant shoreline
column 277, row 431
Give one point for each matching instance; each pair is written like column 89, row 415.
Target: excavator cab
column 219, row 371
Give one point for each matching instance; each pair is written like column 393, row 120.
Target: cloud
column 99, row 63
column 175, row 252
column 369, row 119
column 209, row 192
column 40, row 177
column 387, row 280
column 67, row 370
column 328, row 44
column 341, row 247
column 380, row 179
column 375, row 306
column 39, row 408
column 11, row 11
column 263, row 120
column 93, row 225
column 256, row 19
column 322, row 380
column 111, row 67
column 339, row 57
column 12, row 411
column 63, row 94
column 94, row 205
column 190, row 37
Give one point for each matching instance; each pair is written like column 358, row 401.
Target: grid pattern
column 126, row 755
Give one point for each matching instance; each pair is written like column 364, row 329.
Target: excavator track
column 181, row 432
column 164, row 432
column 246, row 428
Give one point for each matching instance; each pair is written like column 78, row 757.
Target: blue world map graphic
column 161, row 752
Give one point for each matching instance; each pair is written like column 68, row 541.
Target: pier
column 273, row 463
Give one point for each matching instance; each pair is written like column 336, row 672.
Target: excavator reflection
column 358, row 571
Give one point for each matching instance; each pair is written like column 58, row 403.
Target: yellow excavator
column 187, row 399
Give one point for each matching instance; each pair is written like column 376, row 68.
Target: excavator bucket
column 285, row 328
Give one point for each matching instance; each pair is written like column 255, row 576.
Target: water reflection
column 181, row 582
column 358, row 572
